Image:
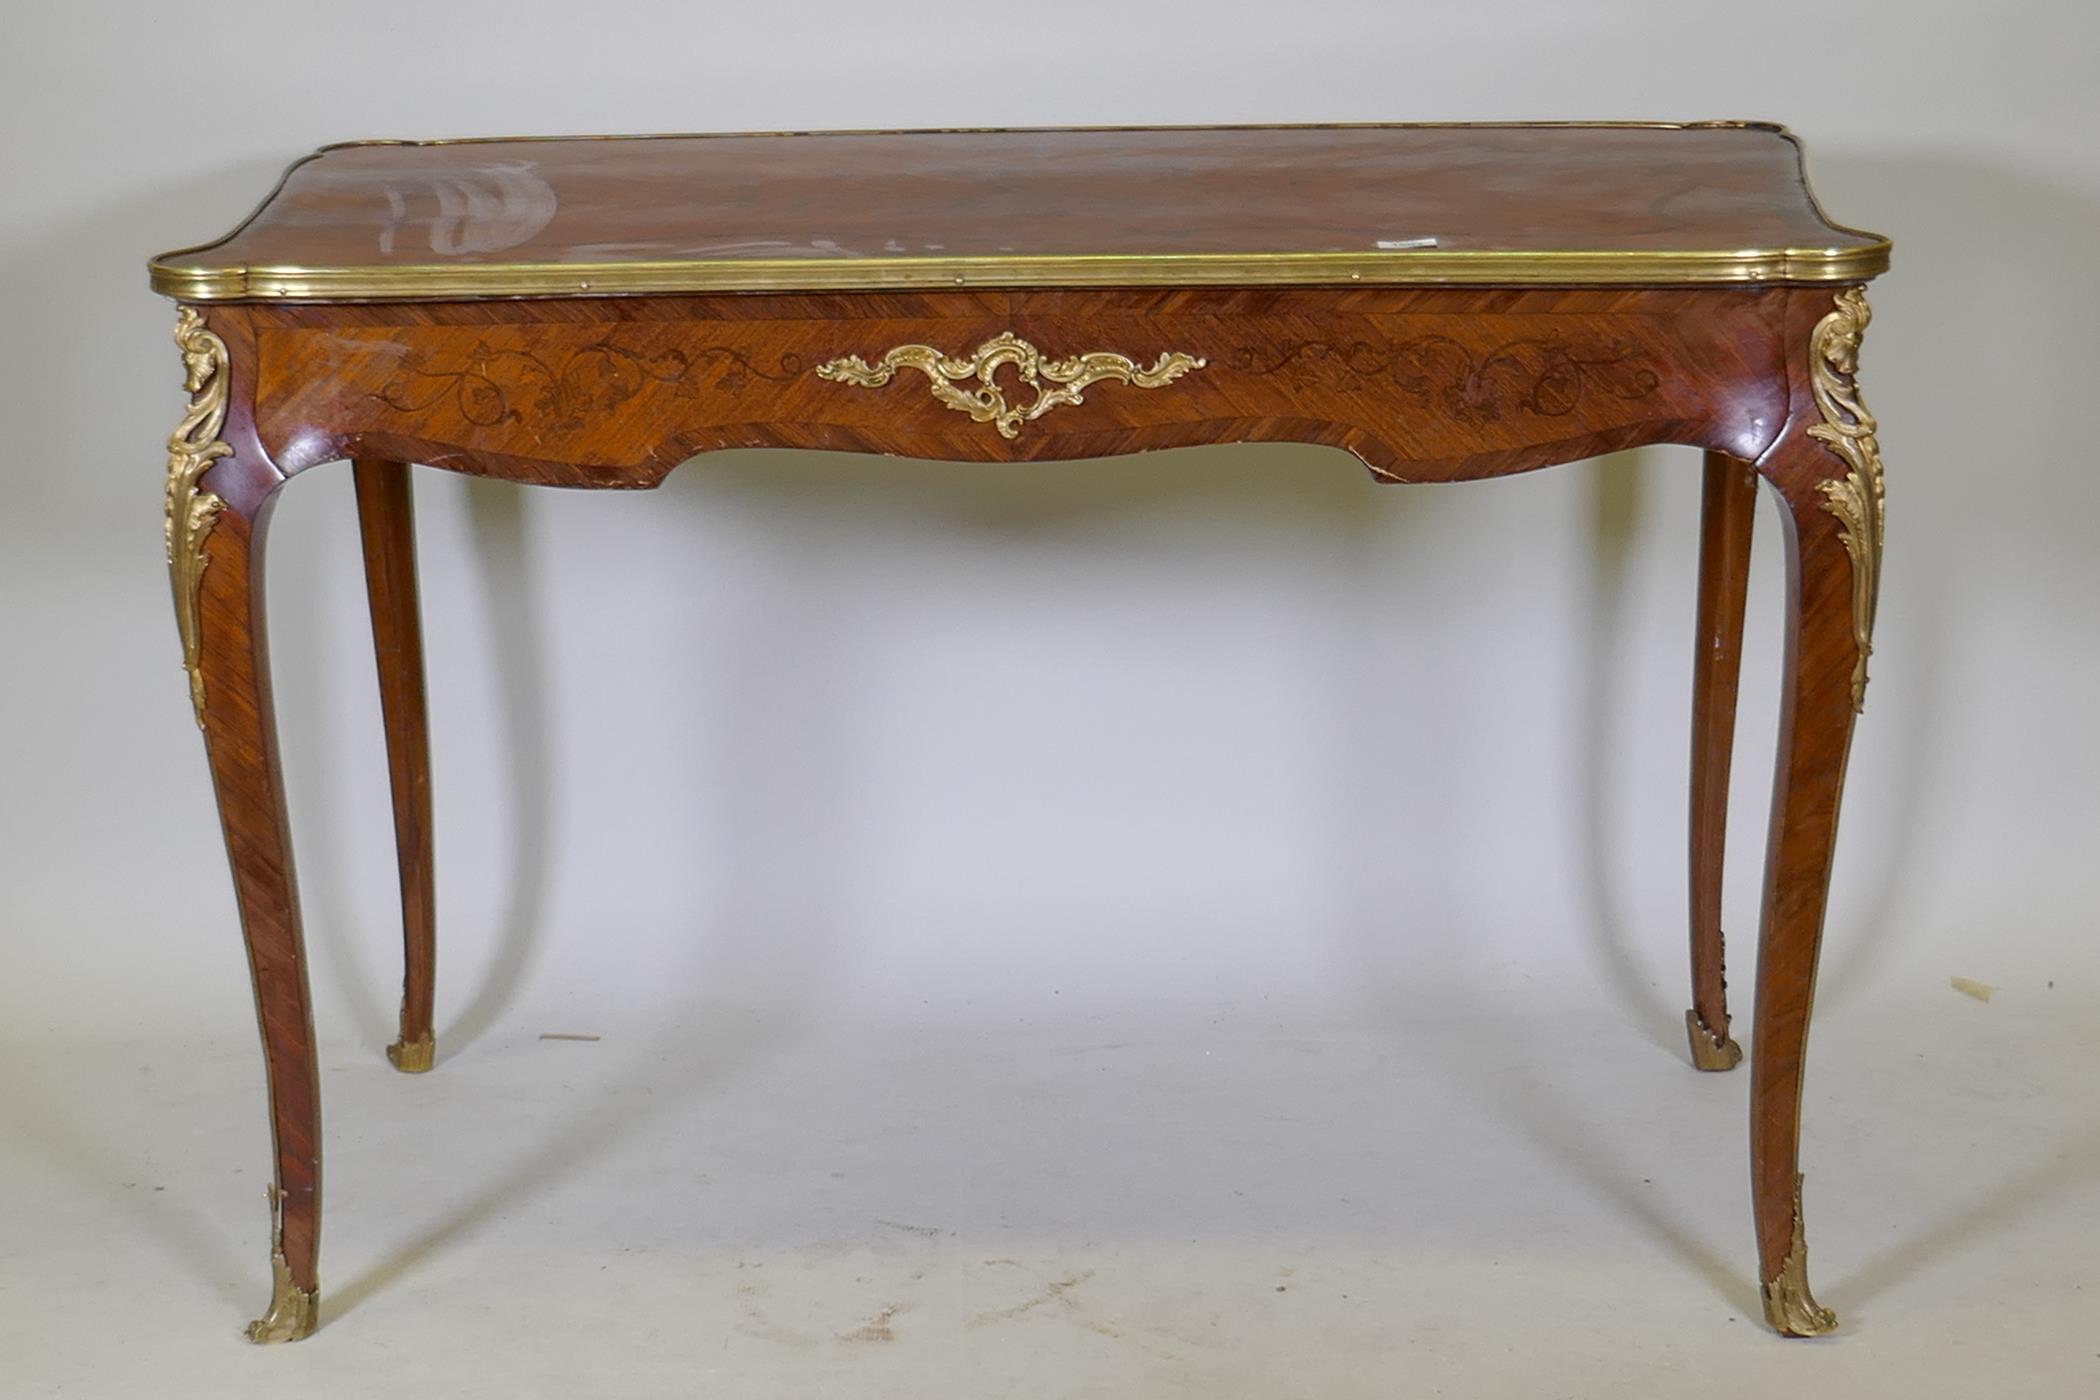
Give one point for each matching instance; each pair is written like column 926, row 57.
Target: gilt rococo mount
column 1444, row 302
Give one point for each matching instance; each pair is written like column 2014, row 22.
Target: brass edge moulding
column 1848, row 429
column 1714, row 124
column 190, row 512
column 1789, row 1307
column 987, row 404
column 1450, row 267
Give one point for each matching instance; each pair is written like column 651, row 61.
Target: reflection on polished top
column 1572, row 205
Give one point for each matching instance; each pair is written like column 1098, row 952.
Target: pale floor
column 1515, row 1198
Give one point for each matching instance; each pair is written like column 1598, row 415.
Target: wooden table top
column 1567, row 205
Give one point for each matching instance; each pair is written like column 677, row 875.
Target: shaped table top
column 1518, row 205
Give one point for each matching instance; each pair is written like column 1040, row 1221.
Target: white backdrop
column 931, row 741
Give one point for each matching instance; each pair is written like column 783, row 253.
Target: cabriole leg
column 386, row 520
column 1827, row 466
column 1726, row 515
column 214, row 546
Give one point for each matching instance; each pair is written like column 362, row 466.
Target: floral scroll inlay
column 1848, row 430
column 490, row 384
column 1546, row 376
column 191, row 513
column 987, row 404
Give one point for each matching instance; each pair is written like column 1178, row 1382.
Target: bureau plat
column 1445, row 302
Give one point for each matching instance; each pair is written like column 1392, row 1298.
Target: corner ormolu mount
column 191, row 513
column 1848, row 429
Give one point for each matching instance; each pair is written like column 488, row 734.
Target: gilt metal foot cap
column 413, row 1056
column 293, row 1310
column 1791, row 1309
column 1710, row 1051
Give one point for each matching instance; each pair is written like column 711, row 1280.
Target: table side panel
column 1424, row 384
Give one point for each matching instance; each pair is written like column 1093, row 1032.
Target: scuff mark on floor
column 753, row 1322
column 1056, row 1291
column 876, row 1328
